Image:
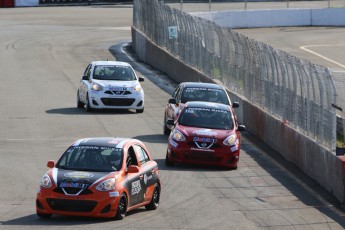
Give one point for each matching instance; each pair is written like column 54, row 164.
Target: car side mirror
column 241, row 128
column 172, row 101
column 133, row 169
column 170, row 122
column 235, row 104
column 85, row 78
column 51, row 164
column 141, row 79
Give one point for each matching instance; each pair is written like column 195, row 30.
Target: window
column 88, row 71
column 91, row 158
column 176, row 93
column 143, row 157
column 131, row 157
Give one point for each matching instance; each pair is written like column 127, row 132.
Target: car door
column 134, row 180
column 148, row 172
column 84, row 83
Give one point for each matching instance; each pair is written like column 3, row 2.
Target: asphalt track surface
column 43, row 53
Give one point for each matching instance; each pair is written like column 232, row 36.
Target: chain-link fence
column 298, row 92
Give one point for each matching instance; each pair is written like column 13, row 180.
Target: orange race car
column 100, row 177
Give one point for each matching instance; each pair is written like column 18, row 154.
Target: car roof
column 208, row 105
column 114, row 142
column 118, row 63
column 201, row 84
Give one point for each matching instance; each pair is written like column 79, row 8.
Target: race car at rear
column 205, row 133
column 193, row 91
column 110, row 85
column 100, row 177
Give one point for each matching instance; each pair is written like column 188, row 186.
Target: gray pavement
column 43, row 53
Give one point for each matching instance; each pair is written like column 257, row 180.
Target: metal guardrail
column 297, row 92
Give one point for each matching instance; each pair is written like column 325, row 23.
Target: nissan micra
column 110, row 85
column 100, row 177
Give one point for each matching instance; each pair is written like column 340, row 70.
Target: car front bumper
column 183, row 153
column 100, row 204
column 102, row 100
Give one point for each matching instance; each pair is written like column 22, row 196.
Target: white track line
column 321, row 56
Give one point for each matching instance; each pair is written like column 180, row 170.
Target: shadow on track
column 76, row 111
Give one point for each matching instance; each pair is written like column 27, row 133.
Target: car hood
column 78, row 179
column 111, row 84
column 205, row 132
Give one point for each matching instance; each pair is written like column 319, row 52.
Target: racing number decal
column 136, row 187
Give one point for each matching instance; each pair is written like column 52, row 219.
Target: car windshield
column 91, row 158
column 204, row 94
column 210, row 118
column 113, row 73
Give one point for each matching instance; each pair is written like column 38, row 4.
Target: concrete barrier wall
column 276, row 18
column 317, row 162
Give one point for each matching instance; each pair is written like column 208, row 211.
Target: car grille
column 111, row 92
column 71, row 205
column 202, row 156
column 73, row 191
column 198, row 144
column 118, row 101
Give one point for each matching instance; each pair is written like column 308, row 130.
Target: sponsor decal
column 73, row 185
column 204, row 139
column 75, row 176
column 147, row 178
column 113, row 194
column 205, row 132
column 118, row 88
column 114, row 141
column 173, row 143
column 136, row 187
column 192, row 89
column 233, row 149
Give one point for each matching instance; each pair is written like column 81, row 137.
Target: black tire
column 121, row 208
column 43, row 216
column 167, row 161
column 87, row 105
column 166, row 130
column 140, row 110
column 153, row 205
column 80, row 104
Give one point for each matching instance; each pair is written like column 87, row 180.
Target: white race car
column 110, row 85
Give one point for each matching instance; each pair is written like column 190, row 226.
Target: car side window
column 88, row 71
column 131, row 157
column 143, row 156
column 176, row 93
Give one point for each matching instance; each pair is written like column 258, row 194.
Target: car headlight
column 230, row 140
column 106, row 185
column 46, row 181
column 97, row 87
column 137, row 88
column 178, row 136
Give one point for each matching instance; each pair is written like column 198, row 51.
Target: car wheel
column 43, row 216
column 153, row 205
column 87, row 105
column 167, row 161
column 166, row 130
column 121, row 208
column 79, row 103
column 140, row 110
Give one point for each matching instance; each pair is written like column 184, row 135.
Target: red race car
column 193, row 91
column 205, row 133
column 100, row 177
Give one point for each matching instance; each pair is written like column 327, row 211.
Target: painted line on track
column 321, row 56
